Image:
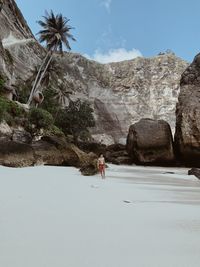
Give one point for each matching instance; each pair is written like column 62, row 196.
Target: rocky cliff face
column 187, row 137
column 20, row 51
column 121, row 93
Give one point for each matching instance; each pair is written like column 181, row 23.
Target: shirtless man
column 101, row 166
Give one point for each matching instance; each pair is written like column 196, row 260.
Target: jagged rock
column 96, row 148
column 187, row 136
column 55, row 152
column 59, row 142
column 5, row 132
column 47, row 154
column 123, row 93
column 20, row 51
column 89, row 169
column 195, row 172
column 116, row 148
column 150, row 142
column 121, row 160
column 21, row 136
column 13, row 154
column 117, row 154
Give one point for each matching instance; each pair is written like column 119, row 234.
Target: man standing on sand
column 101, row 166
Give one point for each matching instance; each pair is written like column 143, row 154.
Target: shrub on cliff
column 50, row 104
column 10, row 111
column 76, row 118
column 40, row 118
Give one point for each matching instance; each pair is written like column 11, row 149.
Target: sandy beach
column 138, row 216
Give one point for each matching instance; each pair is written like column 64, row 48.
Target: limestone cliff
column 20, row 50
column 121, row 93
column 187, row 137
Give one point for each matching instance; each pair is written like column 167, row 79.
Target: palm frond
column 55, row 32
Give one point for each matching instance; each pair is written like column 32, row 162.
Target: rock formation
column 121, row 93
column 187, row 136
column 195, row 172
column 19, row 50
column 150, row 142
column 48, row 151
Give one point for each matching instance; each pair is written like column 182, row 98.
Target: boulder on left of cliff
column 150, row 142
column 50, row 150
column 13, row 154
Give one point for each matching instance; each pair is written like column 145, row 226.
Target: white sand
column 137, row 217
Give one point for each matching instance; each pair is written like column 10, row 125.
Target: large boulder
column 21, row 136
column 13, row 154
column 47, row 154
column 195, row 172
column 117, row 154
column 150, row 142
column 52, row 150
column 187, row 135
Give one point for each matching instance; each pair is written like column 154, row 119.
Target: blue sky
column 110, row 30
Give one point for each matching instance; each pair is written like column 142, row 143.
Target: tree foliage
column 55, row 33
column 10, row 111
column 40, row 118
column 76, row 118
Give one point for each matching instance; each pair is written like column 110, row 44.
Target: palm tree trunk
column 36, row 79
column 43, row 73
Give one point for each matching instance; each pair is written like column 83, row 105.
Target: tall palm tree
column 55, row 33
column 52, row 73
column 62, row 94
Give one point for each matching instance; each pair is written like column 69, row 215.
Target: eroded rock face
column 13, row 154
column 150, row 142
column 49, row 151
column 187, row 136
column 121, row 93
column 19, row 50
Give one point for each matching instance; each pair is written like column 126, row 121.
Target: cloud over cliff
column 115, row 55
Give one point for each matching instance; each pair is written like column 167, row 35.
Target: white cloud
column 107, row 4
column 115, row 55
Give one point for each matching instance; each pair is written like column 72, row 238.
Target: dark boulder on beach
column 195, row 172
column 52, row 151
column 187, row 135
column 21, row 136
column 150, row 142
column 117, row 154
column 14, row 154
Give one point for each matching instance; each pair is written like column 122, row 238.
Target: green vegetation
column 54, row 130
column 9, row 57
column 55, row 32
column 10, row 111
column 23, row 94
column 50, row 104
column 76, row 119
column 40, row 118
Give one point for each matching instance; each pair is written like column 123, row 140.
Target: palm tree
column 55, row 33
column 62, row 94
column 52, row 73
